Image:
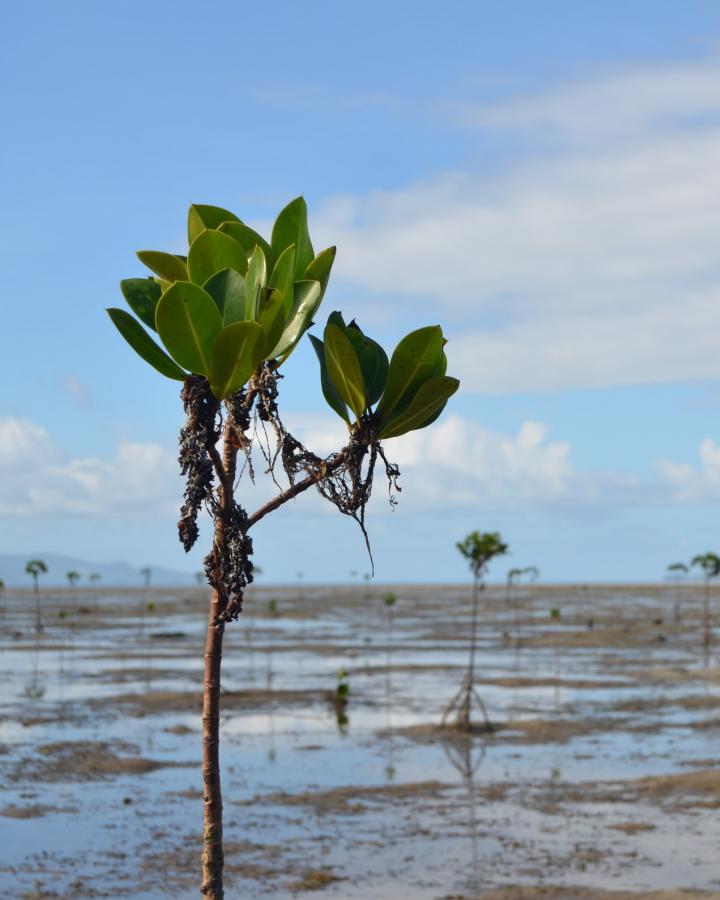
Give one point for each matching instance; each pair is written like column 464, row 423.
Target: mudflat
column 599, row 778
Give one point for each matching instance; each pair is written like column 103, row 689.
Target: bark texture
column 212, row 854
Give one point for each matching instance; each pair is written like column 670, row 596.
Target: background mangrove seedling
column 35, row 568
column 478, row 549
column 677, row 572
column 73, row 578
column 94, row 577
column 710, row 565
column 146, row 573
column 227, row 315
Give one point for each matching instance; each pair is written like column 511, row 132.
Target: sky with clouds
column 542, row 179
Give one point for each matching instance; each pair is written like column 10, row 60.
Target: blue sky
column 541, row 179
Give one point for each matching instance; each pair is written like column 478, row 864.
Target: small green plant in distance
column 223, row 318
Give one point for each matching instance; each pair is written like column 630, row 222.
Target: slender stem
column 212, row 855
column 473, row 634
column 297, row 488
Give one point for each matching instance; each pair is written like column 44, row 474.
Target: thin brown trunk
column 212, row 855
column 707, row 638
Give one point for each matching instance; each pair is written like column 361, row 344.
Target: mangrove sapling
column 35, row 568
column 229, row 314
column 710, row 565
column 478, row 549
column 73, row 578
column 677, row 572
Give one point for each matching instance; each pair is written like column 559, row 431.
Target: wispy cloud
column 37, row 478
column 595, row 264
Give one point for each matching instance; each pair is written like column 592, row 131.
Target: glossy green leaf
column 142, row 295
column 373, row 362
column 166, row 265
column 188, row 321
column 320, row 268
column 343, row 368
column 271, row 317
column 291, row 227
column 282, row 276
column 227, row 288
column 415, row 359
column 144, row 345
column 306, row 299
column 236, row 353
column 255, row 280
column 427, row 403
column 212, row 251
column 330, row 392
column 202, row 216
column 248, row 239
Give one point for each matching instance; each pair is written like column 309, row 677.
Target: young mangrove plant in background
column 228, row 314
column 677, row 572
column 35, row 568
column 710, row 565
column 478, row 549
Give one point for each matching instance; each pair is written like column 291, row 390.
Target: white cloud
column 590, row 266
column 690, row 484
column 38, row 478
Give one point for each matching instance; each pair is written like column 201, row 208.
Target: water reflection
column 466, row 756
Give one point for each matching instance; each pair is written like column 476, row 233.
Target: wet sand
column 600, row 779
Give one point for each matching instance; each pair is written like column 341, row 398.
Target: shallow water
column 382, row 805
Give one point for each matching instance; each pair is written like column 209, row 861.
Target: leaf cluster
column 408, row 392
column 709, row 563
column 232, row 302
column 479, row 548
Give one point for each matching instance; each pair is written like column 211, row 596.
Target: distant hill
column 113, row 574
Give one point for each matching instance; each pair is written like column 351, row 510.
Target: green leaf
column 329, row 390
column 236, row 353
column 291, row 228
column 248, row 239
column 166, row 265
column 306, row 299
column 373, row 362
column 416, row 358
column 201, row 216
column 283, row 274
column 188, row 321
column 144, row 345
column 271, row 317
column 320, row 268
column 212, row 251
column 254, row 282
column 344, row 368
column 424, row 406
column 227, row 288
column 142, row 295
